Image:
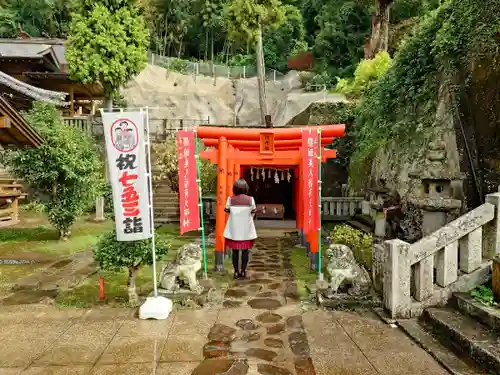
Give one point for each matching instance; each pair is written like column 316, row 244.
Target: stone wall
column 403, row 169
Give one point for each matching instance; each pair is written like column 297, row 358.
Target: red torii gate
column 237, row 148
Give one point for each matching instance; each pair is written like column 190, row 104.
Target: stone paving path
column 267, row 336
column 45, row 284
column 268, row 333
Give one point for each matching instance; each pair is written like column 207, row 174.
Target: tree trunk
column 180, row 48
column 108, row 103
column 379, row 39
column 212, row 44
column 261, row 78
column 206, row 45
column 133, row 298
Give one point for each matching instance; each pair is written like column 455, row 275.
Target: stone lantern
column 436, row 203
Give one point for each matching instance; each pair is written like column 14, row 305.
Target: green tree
column 108, row 43
column 112, row 255
column 170, row 21
column 245, row 18
column 213, row 20
column 280, row 43
column 168, row 167
column 65, row 170
column 344, row 26
column 47, row 18
column 367, row 73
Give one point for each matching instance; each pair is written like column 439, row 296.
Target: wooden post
column 72, row 100
column 15, row 209
column 495, row 278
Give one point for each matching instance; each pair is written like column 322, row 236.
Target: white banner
column 125, row 148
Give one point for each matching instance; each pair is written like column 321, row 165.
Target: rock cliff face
column 404, row 170
column 219, row 101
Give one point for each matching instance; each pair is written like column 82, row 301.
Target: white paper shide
column 125, row 148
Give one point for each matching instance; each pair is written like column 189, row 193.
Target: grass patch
column 44, row 239
column 304, row 276
column 484, row 295
column 87, row 294
column 10, row 273
column 115, row 285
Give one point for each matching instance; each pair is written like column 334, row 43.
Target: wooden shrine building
column 41, row 63
column 14, row 132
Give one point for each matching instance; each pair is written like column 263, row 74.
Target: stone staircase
column 165, row 204
column 463, row 336
column 426, row 286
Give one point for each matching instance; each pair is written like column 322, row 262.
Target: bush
column 166, row 160
column 113, row 255
column 367, row 72
column 177, row 65
column 65, row 170
column 33, row 206
column 320, row 81
column 359, row 242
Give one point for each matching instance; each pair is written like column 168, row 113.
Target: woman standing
column 240, row 231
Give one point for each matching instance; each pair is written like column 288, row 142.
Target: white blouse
column 240, row 225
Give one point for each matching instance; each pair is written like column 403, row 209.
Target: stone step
column 160, row 198
column 466, row 336
column 160, row 212
column 165, row 200
column 360, row 225
column 466, row 304
column 447, row 358
column 166, row 204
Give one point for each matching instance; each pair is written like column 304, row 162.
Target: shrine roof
column 21, row 94
column 18, row 132
column 51, row 52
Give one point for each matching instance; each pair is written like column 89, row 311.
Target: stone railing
column 340, row 208
column 333, row 208
column 455, row 258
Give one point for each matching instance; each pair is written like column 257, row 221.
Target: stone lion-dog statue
column 182, row 271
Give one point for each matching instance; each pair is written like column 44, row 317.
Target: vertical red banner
column 188, row 186
column 310, row 191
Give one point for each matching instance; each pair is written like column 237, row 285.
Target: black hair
column 240, row 187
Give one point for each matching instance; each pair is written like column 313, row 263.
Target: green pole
column 200, row 204
column 320, row 240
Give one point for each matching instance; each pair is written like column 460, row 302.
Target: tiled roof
column 57, row 98
column 33, row 48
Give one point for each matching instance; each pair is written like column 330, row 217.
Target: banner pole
column 320, row 242
column 151, row 212
column 200, row 204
